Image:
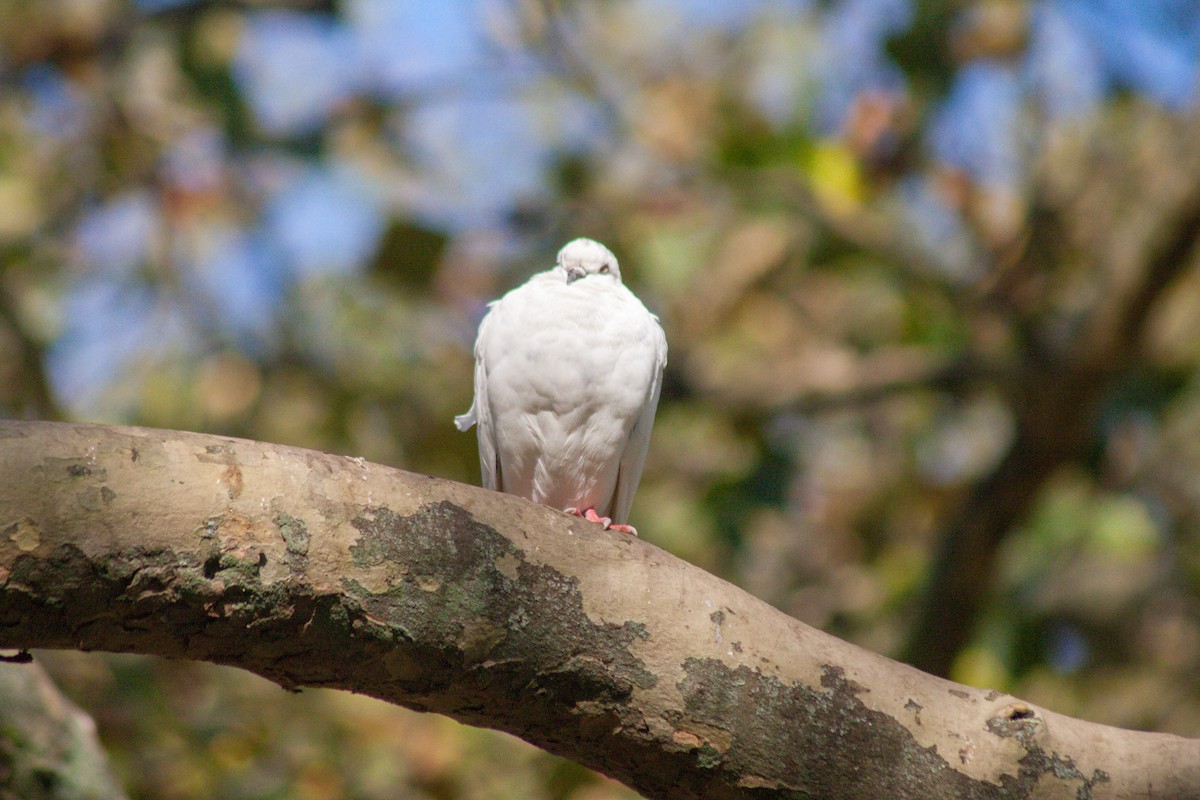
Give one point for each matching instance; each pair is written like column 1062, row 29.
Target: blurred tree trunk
column 320, row 570
column 48, row 746
column 1130, row 227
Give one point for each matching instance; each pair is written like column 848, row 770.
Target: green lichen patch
column 472, row 595
column 1027, row 729
column 875, row 754
column 295, row 538
column 78, row 600
column 211, row 525
column 708, row 757
column 197, row 603
column 234, row 569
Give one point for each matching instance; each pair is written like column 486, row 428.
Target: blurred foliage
column 871, row 227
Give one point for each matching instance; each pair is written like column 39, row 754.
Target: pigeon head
column 584, row 258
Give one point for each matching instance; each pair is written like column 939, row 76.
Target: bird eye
column 604, row 270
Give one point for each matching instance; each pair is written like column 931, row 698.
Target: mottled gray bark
column 320, row 570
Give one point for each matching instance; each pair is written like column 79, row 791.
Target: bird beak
column 574, row 274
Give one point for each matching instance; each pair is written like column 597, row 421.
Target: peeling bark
column 320, row 570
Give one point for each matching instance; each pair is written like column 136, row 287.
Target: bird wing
column 633, row 459
column 480, row 413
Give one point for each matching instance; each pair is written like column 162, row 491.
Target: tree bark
column 319, row 570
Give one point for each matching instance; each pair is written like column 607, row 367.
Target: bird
column 568, row 371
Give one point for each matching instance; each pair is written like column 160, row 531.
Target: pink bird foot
column 591, row 516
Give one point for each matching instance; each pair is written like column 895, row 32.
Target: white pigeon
column 568, row 369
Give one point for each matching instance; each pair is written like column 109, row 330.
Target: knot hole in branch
column 1018, row 711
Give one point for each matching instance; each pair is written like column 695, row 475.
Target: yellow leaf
column 837, row 180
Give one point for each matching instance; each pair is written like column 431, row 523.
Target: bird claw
column 591, row 516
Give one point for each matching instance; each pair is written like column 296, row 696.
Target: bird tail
column 464, row 421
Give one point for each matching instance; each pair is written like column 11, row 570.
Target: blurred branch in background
column 22, row 363
column 1068, row 376
column 48, row 746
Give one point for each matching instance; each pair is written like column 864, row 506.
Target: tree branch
column 48, row 747
column 32, row 394
column 1060, row 389
column 1056, row 407
column 319, row 570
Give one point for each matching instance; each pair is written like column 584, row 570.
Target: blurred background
column 928, row 272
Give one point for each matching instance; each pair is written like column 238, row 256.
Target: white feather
column 568, row 369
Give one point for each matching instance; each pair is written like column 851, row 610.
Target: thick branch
column 319, row 570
